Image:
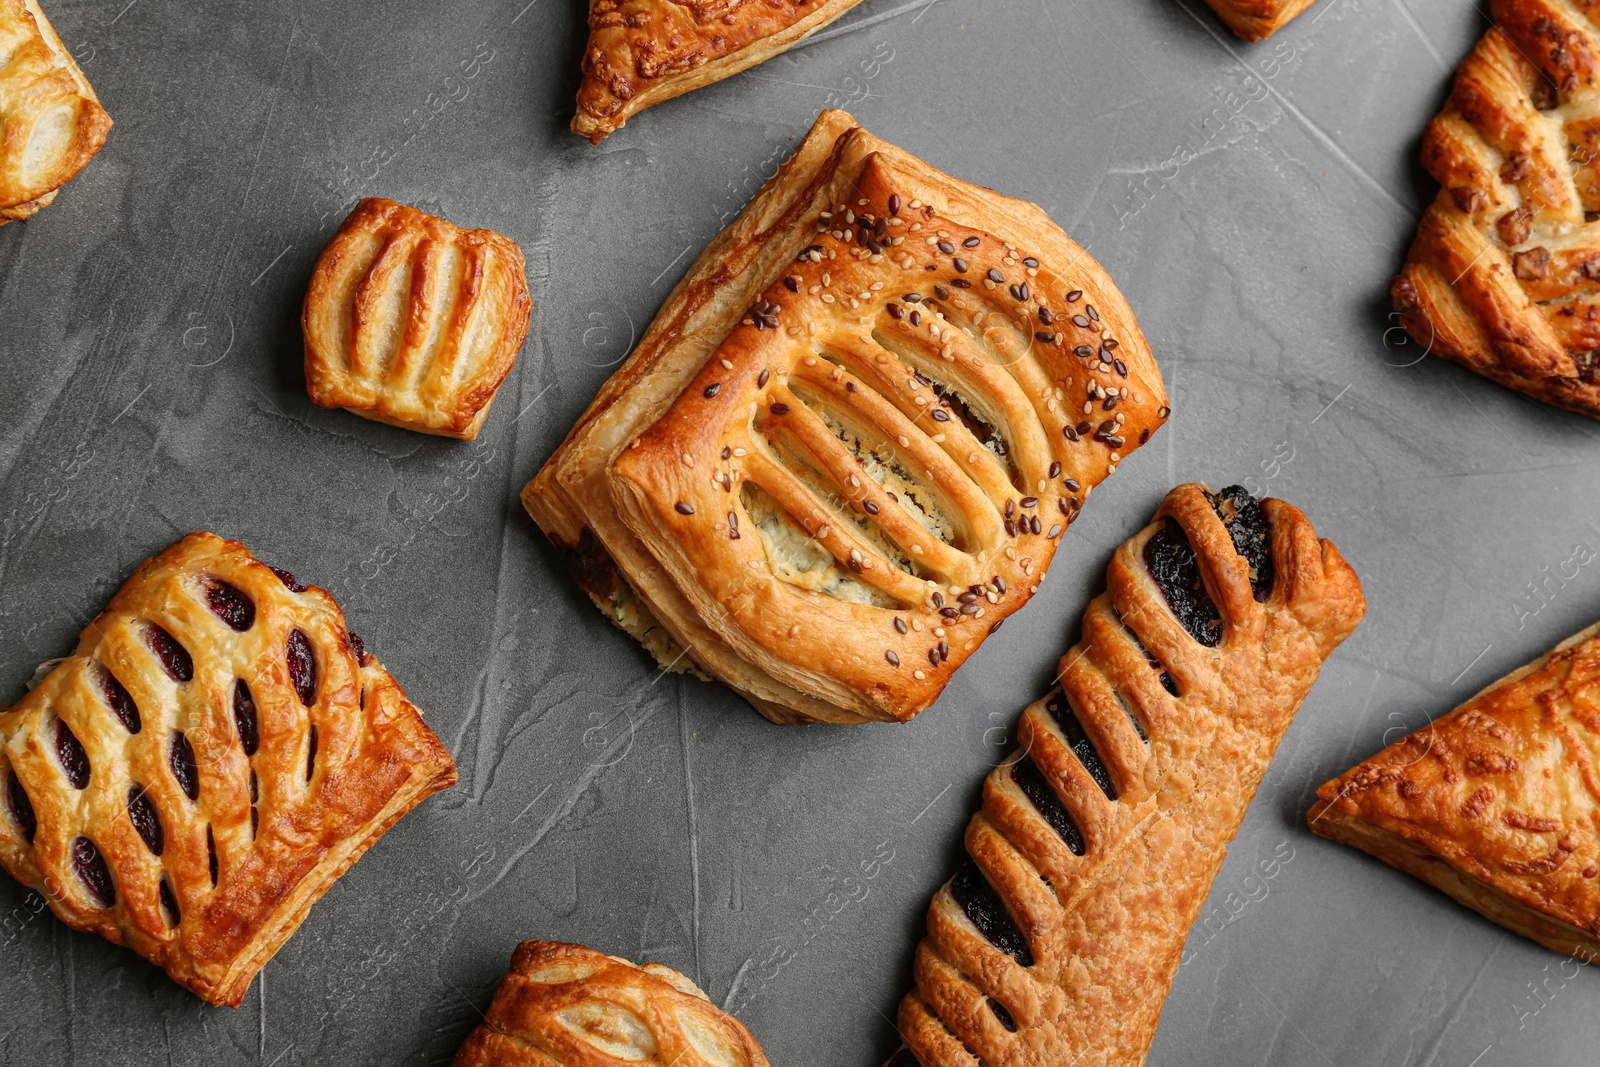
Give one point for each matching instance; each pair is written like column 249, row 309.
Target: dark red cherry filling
column 169, row 903
column 1247, row 524
column 1032, row 782
column 983, row 906
column 211, row 849
column 175, row 659
column 1003, row 1015
column 74, row 760
column 358, row 647
column 92, row 871
column 21, row 808
column 1081, row 746
column 1176, row 571
column 311, row 755
column 181, row 759
column 287, row 579
column 302, row 667
column 245, row 719
column 230, row 604
column 120, row 702
column 145, row 820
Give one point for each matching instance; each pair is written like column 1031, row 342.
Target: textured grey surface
column 1251, row 201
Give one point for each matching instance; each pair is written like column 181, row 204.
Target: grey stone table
column 1251, row 201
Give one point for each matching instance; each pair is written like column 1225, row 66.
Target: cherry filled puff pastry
column 215, row 753
column 412, row 321
column 51, row 123
column 1504, row 274
column 846, row 449
column 1098, row 842
column 645, row 52
column 1497, row 803
column 1257, row 19
column 570, row 1006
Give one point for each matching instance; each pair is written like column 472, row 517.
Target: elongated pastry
column 215, row 753
column 848, row 445
column 411, row 321
column 1504, row 274
column 1496, row 803
column 570, row 1006
column 1257, row 19
column 644, row 52
column 1098, row 842
column 51, row 122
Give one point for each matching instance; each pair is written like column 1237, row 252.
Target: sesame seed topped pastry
column 1098, row 842
column 51, row 123
column 848, row 446
column 1256, row 19
column 1496, row 803
column 412, row 321
column 215, row 753
column 644, row 52
column 570, row 1006
column 1504, row 274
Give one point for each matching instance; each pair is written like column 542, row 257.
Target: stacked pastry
column 848, row 446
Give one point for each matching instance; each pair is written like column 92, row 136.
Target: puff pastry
column 411, row 321
column 1256, row 19
column 570, row 1006
column 1496, row 803
column 51, row 122
column 215, row 753
column 644, row 52
column 846, row 448
column 1098, row 842
column 1502, row 276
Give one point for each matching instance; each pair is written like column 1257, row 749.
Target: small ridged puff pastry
column 1496, row 803
column 51, row 123
column 1098, row 842
column 215, row 753
column 848, row 445
column 412, row 321
column 570, row 1006
column 1256, row 19
column 1504, row 274
column 645, row 52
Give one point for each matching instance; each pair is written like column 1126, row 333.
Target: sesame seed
column 894, row 660
column 683, row 509
column 780, row 409
column 713, row 389
column 972, row 242
column 762, row 378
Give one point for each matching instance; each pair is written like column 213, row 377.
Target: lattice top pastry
column 51, row 122
column 848, row 446
column 570, row 1006
column 645, row 52
column 215, row 753
column 412, row 321
column 1257, row 19
column 1504, row 275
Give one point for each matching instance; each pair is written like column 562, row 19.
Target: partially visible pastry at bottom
column 569, row 1006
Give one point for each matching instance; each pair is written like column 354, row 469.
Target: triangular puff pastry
column 1496, row 803
column 1256, row 19
column 644, row 52
column 1098, row 842
column 51, row 123
column 849, row 444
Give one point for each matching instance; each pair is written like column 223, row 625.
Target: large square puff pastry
column 1504, row 274
column 644, row 52
column 1257, row 19
column 51, row 123
column 1497, row 803
column 1098, row 841
column 412, row 321
column 570, row 1006
column 850, row 442
column 215, row 753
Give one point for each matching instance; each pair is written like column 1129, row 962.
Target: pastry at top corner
column 848, row 446
column 51, row 122
column 412, row 321
column 215, row 753
column 569, row 1006
column 1255, row 20
column 1504, row 274
column 643, row 52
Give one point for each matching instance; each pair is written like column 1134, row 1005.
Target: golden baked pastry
column 1502, row 276
column 1257, row 19
column 644, row 52
column 51, row 123
column 412, row 321
column 570, row 1006
column 846, row 448
column 1496, row 803
column 215, row 753
column 1098, row 842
